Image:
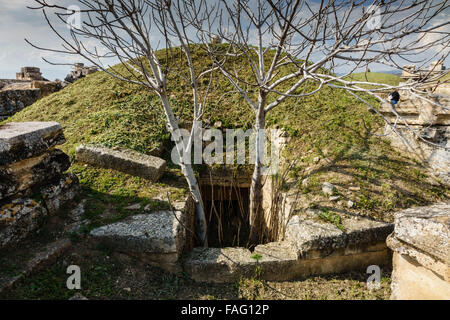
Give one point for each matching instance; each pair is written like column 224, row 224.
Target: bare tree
column 299, row 45
column 125, row 30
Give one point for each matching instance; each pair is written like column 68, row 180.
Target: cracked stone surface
column 426, row 228
column 60, row 192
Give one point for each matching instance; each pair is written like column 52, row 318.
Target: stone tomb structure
column 33, row 182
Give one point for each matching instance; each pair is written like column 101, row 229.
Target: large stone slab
column 426, row 228
column 315, row 239
column 158, row 238
column 128, row 161
column 18, row 219
column 421, row 262
column 25, row 174
column 310, row 248
column 23, row 140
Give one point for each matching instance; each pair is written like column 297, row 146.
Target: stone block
column 18, row 219
column 219, row 265
column 413, row 281
column 23, row 140
column 157, row 238
column 26, row 174
column 46, row 87
column 421, row 262
column 316, row 239
column 14, row 100
column 124, row 160
column 426, row 228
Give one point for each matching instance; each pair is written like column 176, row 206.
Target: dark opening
column 227, row 209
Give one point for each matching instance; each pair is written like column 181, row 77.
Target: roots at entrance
column 227, row 209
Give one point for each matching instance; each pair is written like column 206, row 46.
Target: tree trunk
column 256, row 214
column 188, row 172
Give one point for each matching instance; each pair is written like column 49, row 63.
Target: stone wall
column 5, row 82
column 32, row 179
column 12, row 101
column 16, row 94
column 421, row 261
column 429, row 125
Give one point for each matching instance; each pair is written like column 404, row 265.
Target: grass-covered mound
column 377, row 77
column 330, row 124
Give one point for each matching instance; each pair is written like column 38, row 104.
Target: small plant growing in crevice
column 331, row 217
column 258, row 269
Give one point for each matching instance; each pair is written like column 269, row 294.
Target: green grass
column 377, row 77
column 330, row 123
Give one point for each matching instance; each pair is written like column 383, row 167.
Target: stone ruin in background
column 410, row 71
column 424, row 125
column 30, row 74
column 80, row 71
column 29, row 86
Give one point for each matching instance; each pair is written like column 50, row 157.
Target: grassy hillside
column 331, row 125
column 378, row 77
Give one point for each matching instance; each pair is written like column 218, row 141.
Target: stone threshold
column 311, row 248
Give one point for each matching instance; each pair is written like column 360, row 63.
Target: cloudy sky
column 17, row 23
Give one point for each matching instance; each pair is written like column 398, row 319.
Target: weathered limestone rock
column 128, row 161
column 157, row 238
column 421, row 248
column 18, row 219
column 316, row 240
column 420, row 112
column 31, row 167
column 25, row 174
column 23, row 140
column 426, row 228
column 59, row 193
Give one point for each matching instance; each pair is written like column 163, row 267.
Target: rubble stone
column 18, row 219
column 26, row 174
